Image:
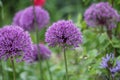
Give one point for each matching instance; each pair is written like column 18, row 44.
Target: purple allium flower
column 14, row 42
column 43, row 51
column 27, row 18
column 101, row 14
column 63, row 33
column 16, row 19
column 105, row 61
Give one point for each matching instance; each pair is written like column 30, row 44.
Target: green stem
column 78, row 5
column 112, row 77
column 109, row 33
column 37, row 40
column 41, row 71
column 38, row 48
column 2, row 70
column 6, row 73
column 65, row 58
column 112, row 3
column 2, row 19
column 13, row 66
column 50, row 73
column 110, row 74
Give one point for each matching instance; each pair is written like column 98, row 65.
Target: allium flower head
column 14, row 42
column 27, row 18
column 101, row 14
column 16, row 19
column 43, row 52
column 63, row 32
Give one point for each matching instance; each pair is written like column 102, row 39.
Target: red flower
column 39, row 2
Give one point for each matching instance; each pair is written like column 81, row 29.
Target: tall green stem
column 2, row 70
column 112, row 3
column 2, row 20
column 41, row 71
column 38, row 48
column 50, row 73
column 13, row 66
column 65, row 58
column 112, row 76
column 37, row 40
column 115, row 49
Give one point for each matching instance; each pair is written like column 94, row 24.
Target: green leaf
column 103, row 37
column 116, row 42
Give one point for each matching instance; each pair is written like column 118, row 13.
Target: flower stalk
column 37, row 40
column 2, row 70
column 2, row 18
column 112, row 3
column 65, row 58
column 50, row 73
column 13, row 66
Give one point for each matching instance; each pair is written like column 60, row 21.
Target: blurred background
column 58, row 9
column 83, row 62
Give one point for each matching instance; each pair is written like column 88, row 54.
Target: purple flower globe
column 63, row 33
column 16, row 19
column 43, row 52
column 14, row 42
column 101, row 14
column 27, row 18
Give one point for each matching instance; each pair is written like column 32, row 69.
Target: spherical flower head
column 27, row 18
column 101, row 14
column 106, row 61
column 14, row 42
column 39, row 2
column 63, row 33
column 16, row 19
column 43, row 52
